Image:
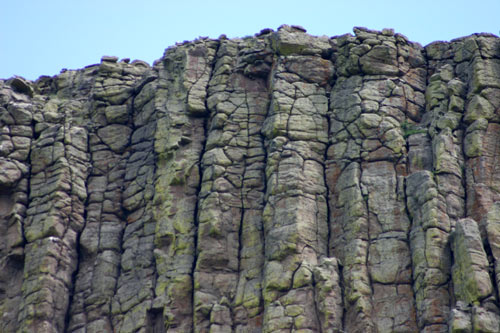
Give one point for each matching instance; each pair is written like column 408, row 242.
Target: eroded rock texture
column 275, row 183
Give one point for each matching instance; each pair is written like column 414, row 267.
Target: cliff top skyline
column 42, row 38
column 277, row 183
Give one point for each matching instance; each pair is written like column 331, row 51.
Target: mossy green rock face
column 275, row 183
column 471, row 265
column 380, row 60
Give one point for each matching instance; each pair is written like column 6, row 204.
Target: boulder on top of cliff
column 290, row 40
column 21, row 85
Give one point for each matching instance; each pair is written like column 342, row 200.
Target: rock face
column 275, row 183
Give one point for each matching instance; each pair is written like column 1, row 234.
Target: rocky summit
column 275, row 183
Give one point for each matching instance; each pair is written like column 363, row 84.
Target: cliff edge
column 275, row 183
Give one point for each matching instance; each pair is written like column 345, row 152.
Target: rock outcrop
column 275, row 183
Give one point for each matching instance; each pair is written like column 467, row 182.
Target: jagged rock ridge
column 275, row 183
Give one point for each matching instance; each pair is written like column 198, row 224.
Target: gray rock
column 117, row 137
column 281, row 182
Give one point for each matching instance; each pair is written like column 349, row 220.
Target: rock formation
column 275, row 183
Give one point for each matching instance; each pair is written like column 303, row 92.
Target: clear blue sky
column 41, row 37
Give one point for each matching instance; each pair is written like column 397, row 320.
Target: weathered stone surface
column 470, row 271
column 275, row 183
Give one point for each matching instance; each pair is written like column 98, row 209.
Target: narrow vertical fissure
column 195, row 220
column 98, row 236
column 198, row 189
column 411, row 218
column 368, row 234
column 242, row 200
column 262, row 231
column 325, row 178
column 78, row 250
column 28, row 180
column 240, row 244
column 154, row 312
column 342, row 290
column 71, row 287
column 463, row 129
column 75, row 274
column 242, row 190
column 154, row 316
column 316, row 308
column 265, row 143
column 491, row 269
column 453, row 299
column 19, row 262
column 118, row 273
column 410, row 227
column 368, row 241
column 464, row 170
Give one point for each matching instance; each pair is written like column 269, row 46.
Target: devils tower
column 276, row 183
